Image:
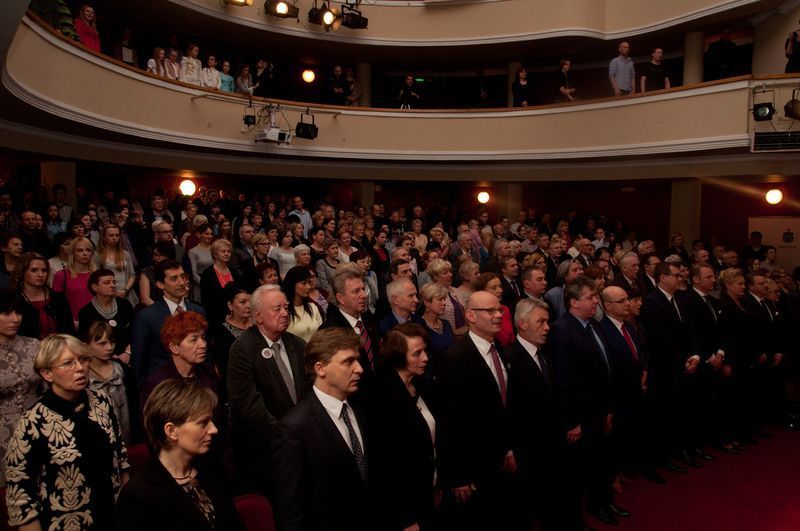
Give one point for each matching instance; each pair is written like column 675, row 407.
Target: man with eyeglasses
column 163, row 232
column 672, row 367
column 477, row 464
column 147, row 352
column 583, row 371
column 629, row 444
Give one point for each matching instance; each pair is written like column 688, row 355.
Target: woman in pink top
column 86, row 28
column 73, row 281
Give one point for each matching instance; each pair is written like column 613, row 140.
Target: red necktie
column 366, row 343
column 629, row 341
column 498, row 368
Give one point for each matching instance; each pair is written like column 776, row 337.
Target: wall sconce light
column 483, row 197
column 774, row 196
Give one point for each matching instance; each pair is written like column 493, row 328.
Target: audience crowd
column 369, row 369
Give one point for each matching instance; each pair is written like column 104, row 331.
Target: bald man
column 625, row 349
column 476, row 463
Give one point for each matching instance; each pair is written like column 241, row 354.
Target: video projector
column 275, row 134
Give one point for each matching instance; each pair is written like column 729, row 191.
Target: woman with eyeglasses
column 304, row 315
column 18, row 389
column 66, row 462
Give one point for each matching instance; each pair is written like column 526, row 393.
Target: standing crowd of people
column 365, row 369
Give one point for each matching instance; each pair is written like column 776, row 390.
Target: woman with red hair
column 183, row 335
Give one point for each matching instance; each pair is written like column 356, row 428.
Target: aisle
column 758, row 490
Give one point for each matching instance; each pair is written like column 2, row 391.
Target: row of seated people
column 604, row 393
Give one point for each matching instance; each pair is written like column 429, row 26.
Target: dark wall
column 724, row 212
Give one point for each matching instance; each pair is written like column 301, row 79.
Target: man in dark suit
column 671, row 367
column 630, row 446
column 586, row 252
column 351, row 312
column 403, row 301
column 647, row 276
column 477, row 463
column 629, row 279
column 322, row 454
column 265, row 380
column 766, row 341
column 538, row 437
column 509, row 279
column 703, row 313
column 582, row 368
column 147, row 352
column 501, row 249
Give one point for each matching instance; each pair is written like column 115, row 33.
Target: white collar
column 350, row 319
column 532, row 349
column 172, row 306
column 617, row 323
column 667, row 295
column 332, row 404
column 481, row 344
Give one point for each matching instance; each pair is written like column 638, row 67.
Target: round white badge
column 267, row 353
column 112, row 322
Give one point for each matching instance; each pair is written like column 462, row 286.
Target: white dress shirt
column 173, row 306
column 483, row 347
column 531, row 349
column 334, row 408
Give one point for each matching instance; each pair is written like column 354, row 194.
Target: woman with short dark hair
column 106, row 306
column 406, row 430
column 172, row 492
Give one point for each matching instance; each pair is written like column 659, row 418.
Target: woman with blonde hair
column 66, row 461
column 441, row 272
column 112, row 256
column 215, row 278
column 156, row 65
column 86, row 27
column 73, row 281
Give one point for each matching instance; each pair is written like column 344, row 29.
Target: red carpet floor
column 758, row 490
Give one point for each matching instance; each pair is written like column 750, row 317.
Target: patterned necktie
column 629, row 341
column 358, row 452
column 498, row 368
column 178, row 310
column 514, row 287
column 366, row 343
column 286, row 373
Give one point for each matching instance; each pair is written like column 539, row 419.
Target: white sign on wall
column 782, row 233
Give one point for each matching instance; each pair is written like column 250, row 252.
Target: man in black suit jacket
column 266, row 379
column 509, row 279
column 648, row 277
column 672, row 364
column 474, row 432
column 766, row 339
column 322, row 452
column 582, row 368
column 703, row 313
column 629, row 279
column 351, row 312
column 538, row 436
column 629, row 442
column 147, row 352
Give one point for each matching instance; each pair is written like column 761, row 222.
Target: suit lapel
column 270, row 365
column 324, row 421
column 295, row 363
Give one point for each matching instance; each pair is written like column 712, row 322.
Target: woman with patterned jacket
column 66, row 462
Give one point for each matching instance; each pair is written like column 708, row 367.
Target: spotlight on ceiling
column 237, row 3
column 763, row 112
column 316, row 13
column 307, row 130
column 792, row 109
column 281, row 9
column 352, row 17
column 309, row 76
column 483, row 197
column 774, row 196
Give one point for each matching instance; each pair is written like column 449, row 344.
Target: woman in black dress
column 406, row 430
column 176, row 491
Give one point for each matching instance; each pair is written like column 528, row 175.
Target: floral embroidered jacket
column 64, row 464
